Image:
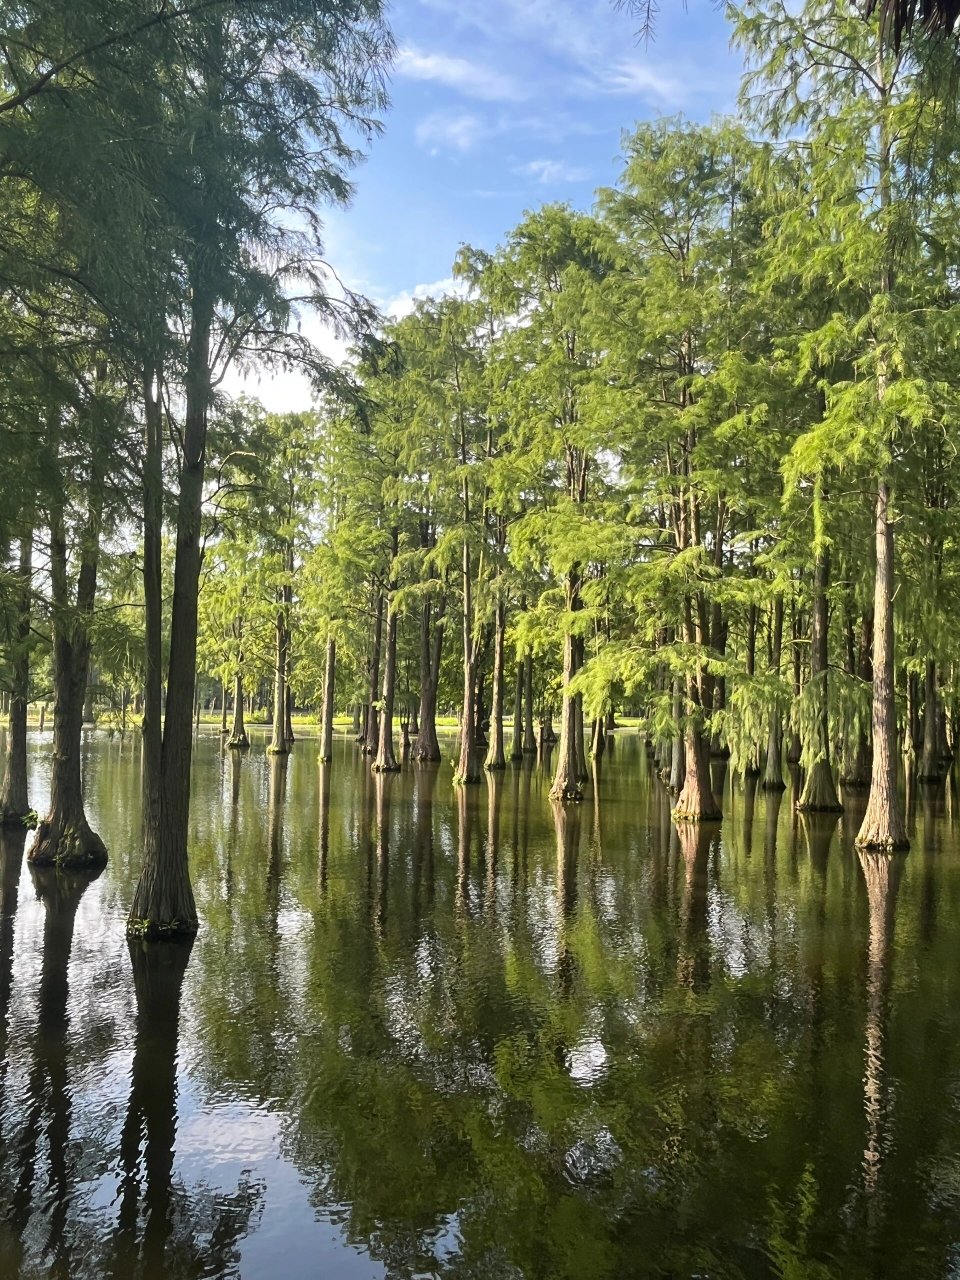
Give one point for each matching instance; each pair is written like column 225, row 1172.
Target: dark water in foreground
column 430, row 1035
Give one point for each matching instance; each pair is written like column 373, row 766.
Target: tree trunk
column 883, row 823
column 427, row 746
column 598, row 738
column 930, row 770
column 696, row 801
column 819, row 794
column 468, row 770
column 238, row 737
column 371, row 741
column 386, row 761
column 223, row 708
column 516, row 745
column 566, row 780
column 278, row 743
column 14, row 807
column 529, row 736
column 496, row 758
column 678, row 763
column 163, row 904
column 773, row 773
column 326, row 713
column 64, row 837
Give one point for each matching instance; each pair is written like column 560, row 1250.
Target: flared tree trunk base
column 278, row 749
column 241, row 743
column 67, row 842
column 568, row 794
column 466, row 780
column 819, row 794
column 773, row 784
column 877, row 833
column 385, row 766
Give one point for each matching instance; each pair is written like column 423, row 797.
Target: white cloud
column 553, row 171
column 455, row 132
column 457, row 73
column 402, row 304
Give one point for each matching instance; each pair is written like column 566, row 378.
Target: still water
column 424, row 1033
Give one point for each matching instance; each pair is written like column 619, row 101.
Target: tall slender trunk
column 64, row 837
column 371, row 741
column 516, row 746
column 223, row 708
column 566, row 779
column 529, row 734
column 279, row 746
column 819, row 794
column 14, row 806
column 930, row 770
column 496, row 758
column 883, row 823
column 427, row 746
column 678, row 759
column 163, row 904
column 468, row 769
column 773, row 773
column 386, row 761
column 238, row 736
column 326, row 714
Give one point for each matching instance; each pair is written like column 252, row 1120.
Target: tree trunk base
column 496, row 766
column 773, row 784
column 386, row 766
column 67, row 844
column 876, row 834
column 161, row 931
column 241, row 743
column 819, row 794
column 567, row 794
column 706, row 812
column 466, row 780
column 278, row 749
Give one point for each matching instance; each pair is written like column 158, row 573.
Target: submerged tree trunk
column 163, row 904
column 516, row 745
column 678, row 753
column 529, row 734
column 64, row 837
column 883, row 823
column 326, row 713
column 566, row 780
column 696, row 801
column 279, row 746
column 14, row 806
column 386, row 761
column 496, row 758
column 773, row 772
column 819, row 794
column 427, row 746
column 930, row 768
column 238, row 736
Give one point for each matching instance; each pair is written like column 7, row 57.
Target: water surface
column 430, row 1033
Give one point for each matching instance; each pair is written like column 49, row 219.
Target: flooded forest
column 501, row 818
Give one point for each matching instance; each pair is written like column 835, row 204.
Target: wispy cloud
column 468, row 78
column 552, row 171
column 640, row 78
column 458, row 132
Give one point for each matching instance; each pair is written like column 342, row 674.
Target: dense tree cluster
column 655, row 457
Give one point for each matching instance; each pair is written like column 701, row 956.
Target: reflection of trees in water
column 162, row 1229
column 155, row 1227
column 693, row 960
column 882, row 874
column 324, row 851
column 12, row 841
column 42, row 1144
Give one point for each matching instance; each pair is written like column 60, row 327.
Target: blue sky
column 499, row 106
